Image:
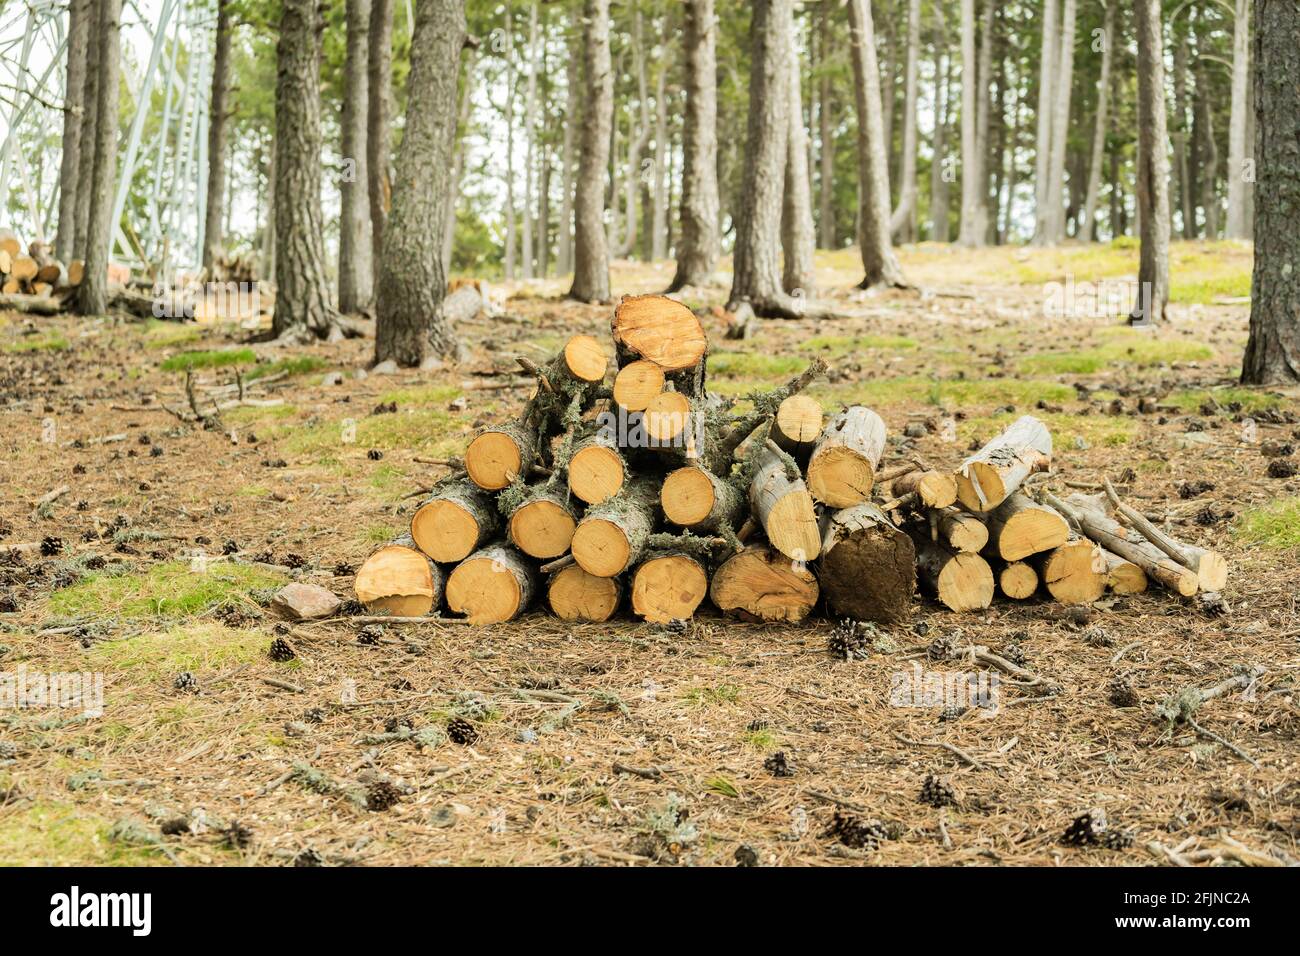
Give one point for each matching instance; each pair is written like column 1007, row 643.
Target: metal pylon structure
column 162, row 170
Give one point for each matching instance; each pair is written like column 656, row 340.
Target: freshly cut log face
column 10, row 243
column 784, row 508
column 798, row 425
column 842, row 468
column 667, row 419
column 452, row 524
column 698, row 499
column 1074, row 573
column 1019, row 527
column 399, row 580
column 23, row 268
column 636, row 384
column 1123, row 577
column 868, row 566
column 575, row 595
column 962, row 531
column 611, row 535
column 762, row 584
column 960, row 580
column 596, row 471
column 1018, row 580
column 585, row 358
column 1101, row 527
column 498, row 455
column 668, row 587
column 660, row 329
column 492, row 585
column 543, row 526
column 986, row 478
column 76, row 269
column 933, row 489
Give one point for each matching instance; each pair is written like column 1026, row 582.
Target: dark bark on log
column 868, row 566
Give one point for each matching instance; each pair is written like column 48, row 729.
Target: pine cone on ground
column 174, row 826
column 937, row 791
column 677, row 626
column 745, row 856
column 942, row 648
column 461, row 731
column 382, row 795
column 952, row 713
column 370, row 634
column 856, row 833
column 1013, row 653
column 848, row 641
column 308, row 857
column 236, row 835
column 51, row 545
column 281, row 651
column 778, row 766
column 1121, row 692
column 314, row 715
column 186, row 682
column 1086, row 830
column 8, row 750
column 1117, row 839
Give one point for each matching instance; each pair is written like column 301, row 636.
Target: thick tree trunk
column 636, row 145
column 697, row 251
column 1153, row 168
column 878, row 259
column 983, row 122
column 973, row 222
column 572, row 77
column 591, row 249
column 89, row 117
column 1209, row 171
column 659, row 214
column 408, row 310
column 1043, row 139
column 379, row 96
column 1273, row 352
column 900, row 222
column 74, row 109
column 797, row 231
column 508, row 264
column 1237, row 222
column 530, row 138
column 218, row 136
column 302, row 299
column 939, row 229
column 458, row 162
column 1089, row 231
column 1063, row 87
column 1178, row 133
column 356, row 258
column 93, row 291
column 825, row 137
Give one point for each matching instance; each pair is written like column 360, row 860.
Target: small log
column 500, row 454
column 667, row 586
column 779, row 501
column 1018, row 580
column 584, row 359
column 6, row 262
column 665, row 332
column 542, row 526
column 575, row 595
column 76, row 269
column 23, row 268
column 669, row 421
column 492, row 585
column 1211, row 568
column 29, row 304
column 868, row 566
column 1090, row 516
column 930, row 489
column 797, row 426
column 455, row 522
column 1074, row 573
column 399, row 580
column 636, row 384
column 48, row 269
column 761, row 584
column 612, row 535
column 1020, row 527
column 596, row 469
column 10, row 243
column 962, row 531
column 961, row 581
column 1123, row 577
column 986, row 479
column 697, row 499
column 842, row 468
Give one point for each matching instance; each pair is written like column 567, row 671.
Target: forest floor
column 663, row 758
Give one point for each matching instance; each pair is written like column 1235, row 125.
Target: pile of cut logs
column 649, row 487
column 35, row 272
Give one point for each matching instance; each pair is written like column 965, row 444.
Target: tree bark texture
column 74, row 110
column 698, row 248
column 379, row 95
column 1152, row 168
column 93, row 291
column 356, row 258
column 218, row 136
column 590, row 245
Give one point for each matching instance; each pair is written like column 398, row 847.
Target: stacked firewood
column 34, row 271
column 650, row 490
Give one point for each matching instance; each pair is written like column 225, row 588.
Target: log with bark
column 596, row 469
column 663, row 331
column 797, row 426
column 637, row 383
column 576, row 595
column 457, row 520
column 399, row 580
column 668, row 586
column 492, row 585
column 542, row 526
column 762, row 584
column 1018, row 580
column 867, row 567
column 960, row 580
column 612, row 536
column 1020, row 527
column 841, row 471
column 780, row 503
column 988, row 477
column 1123, row 577
column 1074, row 573
column 961, row 530
column 695, row 498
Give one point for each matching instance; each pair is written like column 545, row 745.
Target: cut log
column 492, row 585
column 636, row 384
column 1090, row 516
column 596, row 469
column 542, row 527
column 455, row 522
column 868, row 566
column 48, row 269
column 668, row 421
column 697, row 499
column 1123, row 577
column 76, row 269
column 12, row 287
column 668, row 586
column 762, row 584
column 986, row 479
column 929, row 489
column 30, row 304
column 10, row 243
column 23, row 268
column 779, row 501
column 1074, row 573
column 575, row 595
column 500, row 454
column 1018, row 580
column 662, row 330
column 1211, row 568
column 797, row 426
column 962, row 581
column 842, row 468
column 1020, row 527
column 962, row 531
column 399, row 580
column 584, row 359
column 612, row 535
column 6, row 262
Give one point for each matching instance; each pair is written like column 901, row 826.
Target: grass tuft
column 1275, row 526
column 169, row 590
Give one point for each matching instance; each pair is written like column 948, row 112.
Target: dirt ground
column 629, row 743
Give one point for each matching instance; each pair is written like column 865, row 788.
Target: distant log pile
column 630, row 484
column 31, row 279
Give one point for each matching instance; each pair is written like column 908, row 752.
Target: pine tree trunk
column 79, row 33
column 1273, row 351
column 1089, row 231
column 530, row 137
column 591, row 250
column 93, row 291
column 900, row 221
column 1237, row 184
column 939, row 230
column 1178, row 130
column 409, row 318
column 659, row 214
column 218, row 126
column 356, row 259
column 698, row 248
column 1209, row 155
column 825, row 140
column 971, row 232
column 458, row 161
column 1152, row 168
column 266, row 259
column 89, row 117
column 1063, row 87
column 508, row 256
column 1043, row 139
column 379, row 97
column 302, row 299
column 878, row 260
column 797, row 232
column 572, row 63
column 983, row 123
